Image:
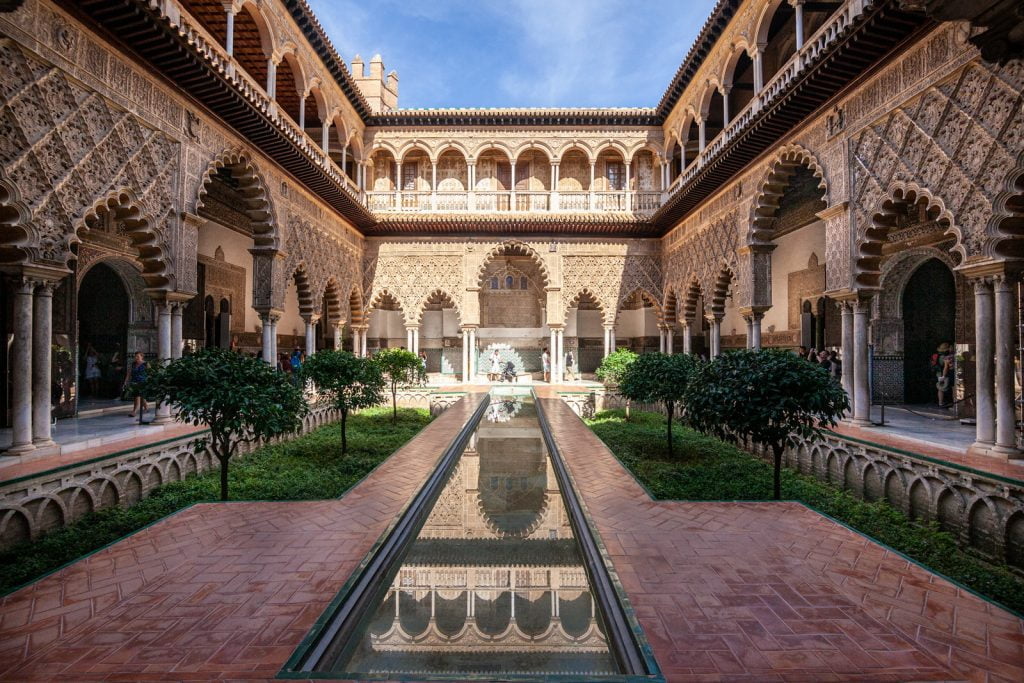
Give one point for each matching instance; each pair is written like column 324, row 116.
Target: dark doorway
column 929, row 317
column 103, row 316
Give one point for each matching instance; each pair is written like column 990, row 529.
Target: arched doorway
column 104, row 313
column 929, row 319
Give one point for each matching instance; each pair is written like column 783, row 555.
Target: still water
column 494, row 582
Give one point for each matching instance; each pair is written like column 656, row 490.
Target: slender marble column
column 687, row 341
column 163, row 410
column 607, row 342
column 362, row 342
column 274, row 318
column 1006, row 423
column 861, row 389
column 611, row 340
column 669, row 341
column 268, row 344
column 408, row 338
column 661, row 341
column 473, row 360
column 716, row 335
column 21, row 369
column 560, row 337
column 176, row 329
column 337, row 335
column 553, row 348
column 749, row 319
column 465, row 355
column 42, row 340
column 310, row 337
column 984, row 327
column 755, row 342
column 846, row 312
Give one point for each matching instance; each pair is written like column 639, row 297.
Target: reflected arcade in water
column 494, row 582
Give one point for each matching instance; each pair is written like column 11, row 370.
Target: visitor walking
column 545, row 361
column 942, row 367
column 134, row 381
column 569, row 362
column 92, row 371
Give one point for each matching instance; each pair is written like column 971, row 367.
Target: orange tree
column 772, row 397
column 660, row 378
column 400, row 368
column 351, row 382
column 239, row 398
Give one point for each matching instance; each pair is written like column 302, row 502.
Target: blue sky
column 523, row 53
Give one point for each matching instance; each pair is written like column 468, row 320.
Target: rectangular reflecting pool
column 494, row 582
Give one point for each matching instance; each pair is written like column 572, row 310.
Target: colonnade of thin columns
column 32, row 359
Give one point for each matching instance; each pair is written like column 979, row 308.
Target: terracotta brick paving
column 775, row 591
column 217, row 591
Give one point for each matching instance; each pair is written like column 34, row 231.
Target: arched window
column 524, row 282
column 494, row 283
column 509, row 282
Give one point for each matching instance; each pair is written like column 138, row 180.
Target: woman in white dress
column 92, row 370
column 495, row 372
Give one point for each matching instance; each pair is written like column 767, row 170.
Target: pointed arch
column 1008, row 216
column 587, row 293
column 250, row 183
column 332, row 302
column 126, row 210
column 694, row 293
column 724, row 280
column 867, row 271
column 384, row 297
column 670, row 307
column 356, row 312
column 644, row 295
column 438, row 295
column 15, row 224
column 770, row 190
column 513, row 248
column 304, row 289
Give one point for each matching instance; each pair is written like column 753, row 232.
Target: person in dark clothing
column 134, row 381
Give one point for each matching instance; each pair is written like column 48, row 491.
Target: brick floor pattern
column 217, row 591
column 776, row 591
column 723, row 591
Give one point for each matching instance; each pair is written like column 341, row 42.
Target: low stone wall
column 983, row 511
column 32, row 505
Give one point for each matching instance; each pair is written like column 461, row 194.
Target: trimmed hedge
column 309, row 467
column 708, row 469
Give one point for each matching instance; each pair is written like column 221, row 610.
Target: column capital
column 312, row 318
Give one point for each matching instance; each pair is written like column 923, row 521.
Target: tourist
column 942, row 366
column 423, row 361
column 836, row 365
column 284, row 364
column 495, row 373
column 569, row 362
column 812, row 356
column 545, row 361
column 134, row 381
column 801, row 351
column 92, row 370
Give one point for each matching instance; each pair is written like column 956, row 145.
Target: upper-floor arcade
column 515, row 174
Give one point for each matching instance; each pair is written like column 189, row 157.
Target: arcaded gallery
column 300, row 383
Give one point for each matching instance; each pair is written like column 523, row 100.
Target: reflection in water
column 494, row 582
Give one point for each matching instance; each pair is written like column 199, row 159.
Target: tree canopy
column 771, row 397
column 239, row 398
column 349, row 381
column 660, row 378
column 613, row 367
column 400, row 368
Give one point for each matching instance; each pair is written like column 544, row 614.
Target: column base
column 859, row 422
column 162, row 419
column 1006, row 452
column 20, row 449
column 43, row 443
column 982, row 448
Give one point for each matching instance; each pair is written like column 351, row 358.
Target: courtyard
column 717, row 377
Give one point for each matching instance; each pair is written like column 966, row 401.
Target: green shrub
column 705, row 468
column 306, row 468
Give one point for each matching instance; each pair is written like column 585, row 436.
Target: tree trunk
column 670, row 408
column 224, row 476
column 777, row 453
column 344, row 443
column 394, row 406
column 627, row 410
